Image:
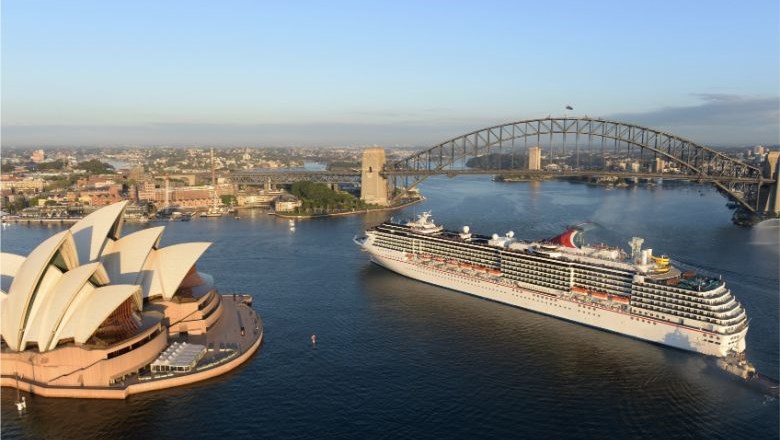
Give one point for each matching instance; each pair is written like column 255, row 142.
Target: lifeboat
column 577, row 289
column 494, row 272
column 439, row 259
column 619, row 299
column 452, row 262
column 409, row 256
column 599, row 295
column 425, row 256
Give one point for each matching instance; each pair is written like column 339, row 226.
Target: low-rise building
column 286, row 203
column 17, row 184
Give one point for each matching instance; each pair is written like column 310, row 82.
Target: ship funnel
column 645, row 258
column 636, row 247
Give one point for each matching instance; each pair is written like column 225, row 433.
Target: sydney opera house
column 92, row 313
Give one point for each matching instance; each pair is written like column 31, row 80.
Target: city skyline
column 388, row 74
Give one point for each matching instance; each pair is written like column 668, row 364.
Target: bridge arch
column 741, row 181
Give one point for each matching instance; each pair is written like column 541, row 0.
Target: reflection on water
column 396, row 358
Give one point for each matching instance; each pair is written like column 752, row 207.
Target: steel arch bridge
column 689, row 160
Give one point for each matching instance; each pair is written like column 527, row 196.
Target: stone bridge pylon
column 373, row 185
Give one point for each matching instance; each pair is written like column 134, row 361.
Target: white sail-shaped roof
column 167, row 267
column 50, row 307
column 58, row 249
column 9, row 265
column 93, row 231
column 93, row 310
column 51, row 298
column 124, row 259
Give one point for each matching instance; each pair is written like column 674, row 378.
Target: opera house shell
column 92, row 313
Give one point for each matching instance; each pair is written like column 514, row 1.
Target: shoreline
column 343, row 214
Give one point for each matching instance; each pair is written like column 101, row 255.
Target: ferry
column 632, row 293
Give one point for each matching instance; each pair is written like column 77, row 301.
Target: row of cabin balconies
column 600, row 276
column 723, row 298
column 732, row 326
column 676, row 305
column 456, row 251
column 693, row 323
column 603, row 287
column 725, row 304
column 546, row 269
column 624, row 270
column 547, row 275
column 596, row 280
column 433, row 240
column 698, row 316
column 540, row 281
column 701, row 293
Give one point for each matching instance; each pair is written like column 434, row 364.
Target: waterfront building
column 286, row 203
column 22, row 185
column 660, row 165
column 89, row 309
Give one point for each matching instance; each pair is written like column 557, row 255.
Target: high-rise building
column 38, row 156
column 534, row 158
column 660, row 164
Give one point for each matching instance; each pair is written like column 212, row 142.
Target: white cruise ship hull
column 592, row 314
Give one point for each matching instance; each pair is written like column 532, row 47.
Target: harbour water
column 396, row 358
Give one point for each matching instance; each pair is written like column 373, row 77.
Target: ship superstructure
column 633, row 293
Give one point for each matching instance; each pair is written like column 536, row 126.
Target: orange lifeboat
column 578, row 289
column 599, row 295
column 619, row 299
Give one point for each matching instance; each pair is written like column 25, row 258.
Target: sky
column 381, row 72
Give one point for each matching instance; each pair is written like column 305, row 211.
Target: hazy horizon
column 400, row 73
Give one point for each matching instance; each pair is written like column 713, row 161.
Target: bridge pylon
column 772, row 171
column 373, row 186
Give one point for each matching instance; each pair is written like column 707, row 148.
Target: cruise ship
column 632, row 293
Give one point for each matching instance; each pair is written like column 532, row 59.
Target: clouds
column 719, row 119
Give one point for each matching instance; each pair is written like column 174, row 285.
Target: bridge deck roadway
column 354, row 177
column 577, row 173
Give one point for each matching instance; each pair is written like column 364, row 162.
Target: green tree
column 95, row 166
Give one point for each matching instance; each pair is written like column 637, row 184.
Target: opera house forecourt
column 90, row 313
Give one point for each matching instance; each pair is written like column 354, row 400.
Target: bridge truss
column 591, row 143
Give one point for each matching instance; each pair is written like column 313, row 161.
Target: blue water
column 396, row 358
